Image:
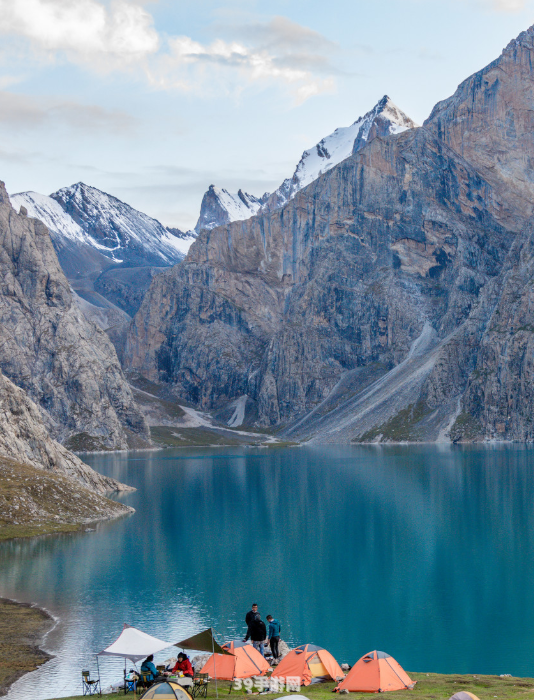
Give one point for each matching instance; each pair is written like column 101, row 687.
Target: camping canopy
column 203, row 641
column 134, row 645
column 307, row 662
column 242, row 661
column 376, row 672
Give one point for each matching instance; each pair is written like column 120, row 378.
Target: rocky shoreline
column 23, row 627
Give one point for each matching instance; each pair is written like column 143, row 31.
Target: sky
column 153, row 101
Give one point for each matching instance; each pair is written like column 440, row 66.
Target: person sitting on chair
column 184, row 665
column 148, row 667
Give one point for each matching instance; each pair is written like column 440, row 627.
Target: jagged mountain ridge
column 219, row 207
column 103, row 243
column 385, row 118
column 65, row 364
column 380, row 294
column 86, row 217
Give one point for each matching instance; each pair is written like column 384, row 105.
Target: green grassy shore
column 430, row 686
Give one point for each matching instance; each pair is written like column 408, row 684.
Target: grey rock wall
column 24, row 438
column 66, row 364
column 390, row 299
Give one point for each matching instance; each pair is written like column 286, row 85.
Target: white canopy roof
column 134, row 645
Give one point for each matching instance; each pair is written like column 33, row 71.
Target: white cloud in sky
column 499, row 5
column 507, row 5
column 253, row 64
column 121, row 36
column 84, row 30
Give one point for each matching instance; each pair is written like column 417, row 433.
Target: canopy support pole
column 214, row 665
column 99, row 681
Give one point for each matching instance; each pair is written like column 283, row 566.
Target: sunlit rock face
column 377, row 304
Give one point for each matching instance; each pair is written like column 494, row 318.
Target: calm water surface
column 424, row 552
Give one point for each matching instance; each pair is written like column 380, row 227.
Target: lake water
column 424, row 552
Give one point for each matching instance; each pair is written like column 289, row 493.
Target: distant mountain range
column 219, row 207
column 108, row 250
column 92, row 230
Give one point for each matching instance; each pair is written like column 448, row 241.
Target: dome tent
column 242, row 661
column 463, row 695
column 376, row 672
column 308, row 662
column 165, row 690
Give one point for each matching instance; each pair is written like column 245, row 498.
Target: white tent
column 134, row 645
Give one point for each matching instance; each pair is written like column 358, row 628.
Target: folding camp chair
column 145, row 680
column 90, row 687
column 200, row 685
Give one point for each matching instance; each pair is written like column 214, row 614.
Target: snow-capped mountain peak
column 385, row 118
column 91, row 228
column 220, row 207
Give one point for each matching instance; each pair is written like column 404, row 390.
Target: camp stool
column 130, row 684
column 90, row 687
column 200, row 685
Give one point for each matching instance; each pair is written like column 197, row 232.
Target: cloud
column 506, row 5
column 280, row 34
column 83, row 30
column 277, row 51
column 22, row 111
column 120, row 35
column 499, row 5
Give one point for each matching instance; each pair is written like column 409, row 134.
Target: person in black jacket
column 251, row 614
column 256, row 633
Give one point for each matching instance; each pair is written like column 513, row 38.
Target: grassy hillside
column 37, row 502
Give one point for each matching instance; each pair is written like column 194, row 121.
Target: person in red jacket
column 184, row 665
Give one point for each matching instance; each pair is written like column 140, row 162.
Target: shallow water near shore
column 425, row 552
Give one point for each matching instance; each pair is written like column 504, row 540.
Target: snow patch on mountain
column 117, row 226
column 84, row 217
column 385, row 118
column 221, row 207
column 47, row 210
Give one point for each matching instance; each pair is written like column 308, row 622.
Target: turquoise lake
column 425, row 552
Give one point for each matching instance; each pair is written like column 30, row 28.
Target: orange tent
column 307, row 662
column 244, row 662
column 376, row 672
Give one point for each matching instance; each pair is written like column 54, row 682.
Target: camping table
column 185, row 682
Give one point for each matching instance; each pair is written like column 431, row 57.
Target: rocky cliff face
column 389, row 299
column 385, row 118
column 66, row 364
column 220, row 207
column 24, row 438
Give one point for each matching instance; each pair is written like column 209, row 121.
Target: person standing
column 274, row 635
column 251, row 614
column 257, row 632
